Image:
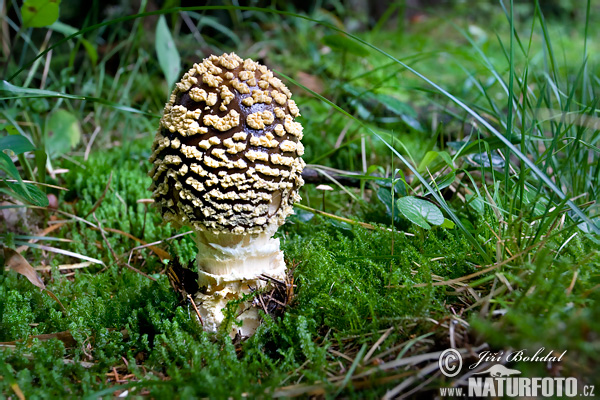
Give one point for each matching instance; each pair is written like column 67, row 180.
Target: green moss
column 344, row 275
column 342, row 279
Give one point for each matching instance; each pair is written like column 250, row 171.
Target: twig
column 134, row 269
column 339, row 354
column 75, row 217
column 342, row 134
column 353, row 367
column 159, row 252
column 195, row 308
column 269, row 278
column 377, row 344
column 61, row 251
column 65, row 266
column 117, row 259
column 573, row 280
column 304, row 364
column 416, row 360
column 421, row 373
column 407, row 345
column 451, row 332
column 105, row 239
column 262, row 303
column 158, row 242
column 192, row 27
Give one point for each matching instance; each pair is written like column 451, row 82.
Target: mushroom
column 227, row 163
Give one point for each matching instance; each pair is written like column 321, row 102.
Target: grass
column 375, row 300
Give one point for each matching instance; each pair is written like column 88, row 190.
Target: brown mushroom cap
column 227, row 154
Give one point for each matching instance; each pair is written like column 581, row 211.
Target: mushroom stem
column 229, row 267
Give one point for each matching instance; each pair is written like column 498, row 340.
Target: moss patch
column 119, row 318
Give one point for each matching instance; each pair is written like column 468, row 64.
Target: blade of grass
column 441, row 90
column 59, row 251
column 27, row 93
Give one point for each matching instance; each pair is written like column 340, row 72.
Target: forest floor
column 497, row 133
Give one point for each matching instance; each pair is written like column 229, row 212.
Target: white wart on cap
column 227, row 155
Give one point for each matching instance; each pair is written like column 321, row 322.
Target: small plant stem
column 26, row 167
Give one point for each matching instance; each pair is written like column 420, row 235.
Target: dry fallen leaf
column 19, row 264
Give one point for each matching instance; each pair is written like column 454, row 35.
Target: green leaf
column 476, row 203
column 27, row 193
column 341, row 43
column 168, row 56
column 431, row 161
column 539, row 203
column 486, row 160
column 394, row 105
column 420, row 212
column 40, row 163
column 400, row 108
column 39, row 106
column 39, row 13
column 63, row 132
column 18, row 144
column 385, row 196
column 448, row 224
column 8, row 166
column 585, row 226
column 35, row 195
column 212, row 22
column 412, row 122
column 18, row 92
column 427, row 160
column 446, row 157
column 444, row 181
column 68, row 30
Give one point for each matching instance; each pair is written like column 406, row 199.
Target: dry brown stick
column 105, row 239
column 377, row 344
column 319, row 388
column 134, row 269
column 159, row 252
column 414, row 360
column 262, row 303
column 158, row 242
column 195, row 308
column 5, row 33
column 46, row 69
column 339, row 354
column 117, row 259
column 426, row 371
